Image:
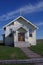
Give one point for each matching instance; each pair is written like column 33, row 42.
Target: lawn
column 38, row 48
column 7, row 52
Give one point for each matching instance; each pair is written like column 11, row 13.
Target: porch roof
column 16, row 28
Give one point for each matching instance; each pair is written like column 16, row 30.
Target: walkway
column 31, row 54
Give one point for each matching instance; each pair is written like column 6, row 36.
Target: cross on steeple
column 20, row 11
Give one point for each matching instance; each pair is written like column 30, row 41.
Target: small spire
column 20, row 11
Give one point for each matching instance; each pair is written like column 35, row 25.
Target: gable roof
column 18, row 18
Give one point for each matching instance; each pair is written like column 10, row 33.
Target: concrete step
column 22, row 44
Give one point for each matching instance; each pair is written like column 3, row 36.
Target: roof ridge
column 18, row 18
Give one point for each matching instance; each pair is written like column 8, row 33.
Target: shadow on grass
column 3, row 44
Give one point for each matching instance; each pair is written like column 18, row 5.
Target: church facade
column 20, row 33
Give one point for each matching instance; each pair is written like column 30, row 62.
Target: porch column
column 16, row 36
column 27, row 36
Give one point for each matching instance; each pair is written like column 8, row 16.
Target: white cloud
column 33, row 8
column 24, row 10
column 40, row 24
column 9, row 15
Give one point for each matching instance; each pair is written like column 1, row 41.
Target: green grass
column 7, row 52
column 38, row 48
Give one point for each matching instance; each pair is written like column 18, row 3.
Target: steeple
column 20, row 12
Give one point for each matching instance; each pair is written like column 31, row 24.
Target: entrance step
column 22, row 44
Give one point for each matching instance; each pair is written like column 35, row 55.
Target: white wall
column 8, row 40
column 32, row 40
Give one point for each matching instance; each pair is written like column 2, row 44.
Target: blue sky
column 30, row 9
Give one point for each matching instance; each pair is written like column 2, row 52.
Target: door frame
column 22, row 36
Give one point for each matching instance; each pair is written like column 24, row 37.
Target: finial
column 20, row 11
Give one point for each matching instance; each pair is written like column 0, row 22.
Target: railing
column 37, row 60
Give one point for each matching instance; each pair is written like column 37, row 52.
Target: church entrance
column 21, row 36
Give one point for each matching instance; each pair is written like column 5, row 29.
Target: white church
column 20, row 33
